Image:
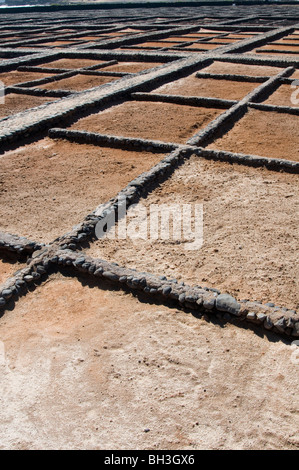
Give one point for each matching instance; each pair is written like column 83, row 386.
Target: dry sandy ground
column 268, row 134
column 177, row 123
column 58, row 43
column 71, row 63
column 250, row 231
column 266, row 52
column 86, row 368
column 15, row 77
column 49, row 186
column 280, row 47
column 285, row 95
column 156, row 44
column 193, row 86
column 131, row 67
column 241, row 69
column 8, row 267
column 15, row 103
column 78, row 83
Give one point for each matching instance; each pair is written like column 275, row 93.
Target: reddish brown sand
column 90, row 38
column 49, row 186
column 15, row 77
column 223, row 40
column 280, row 47
column 130, row 49
column 250, row 231
column 9, row 38
column 203, row 33
column 156, row 44
column 202, row 45
column 239, row 36
column 72, row 63
column 288, row 39
column 139, row 119
column 285, row 95
column 131, row 67
column 97, row 369
column 58, row 43
column 268, row 134
column 78, row 82
column 8, row 267
column 131, row 30
column 193, row 86
column 116, row 34
column 271, row 53
column 242, row 69
column 15, row 103
column 176, row 39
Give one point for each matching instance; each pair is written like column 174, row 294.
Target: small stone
column 41, row 270
column 191, row 298
column 209, row 303
column 227, row 303
column 82, row 236
column 174, row 295
column 91, row 269
column 212, row 289
column 251, row 316
column 98, row 272
column 261, row 317
column 36, row 275
column 190, row 305
column 28, row 278
column 268, row 324
column 6, row 293
column 280, row 325
column 110, row 275
column 295, row 331
column 166, row 290
column 2, row 302
column 85, row 266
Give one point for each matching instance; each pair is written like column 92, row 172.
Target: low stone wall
column 18, row 245
column 233, row 114
column 203, row 300
column 62, row 253
column 275, row 164
column 197, row 101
